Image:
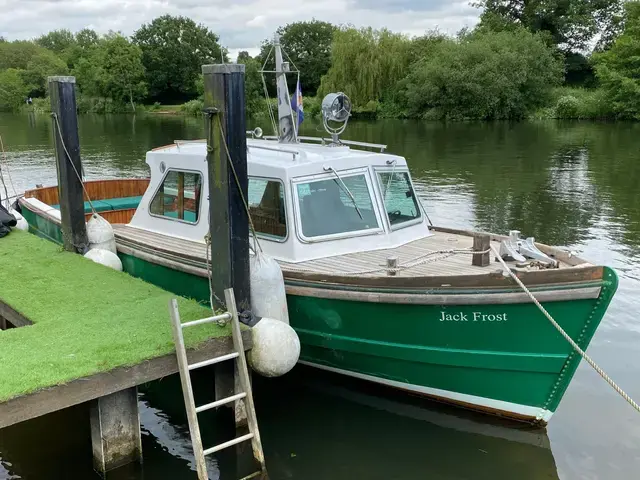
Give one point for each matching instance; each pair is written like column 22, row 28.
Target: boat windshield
column 327, row 207
column 400, row 200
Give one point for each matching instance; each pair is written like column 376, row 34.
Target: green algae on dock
column 87, row 319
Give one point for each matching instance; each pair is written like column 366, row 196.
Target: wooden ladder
column 187, row 389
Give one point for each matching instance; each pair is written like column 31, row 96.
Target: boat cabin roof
column 283, row 160
column 301, row 209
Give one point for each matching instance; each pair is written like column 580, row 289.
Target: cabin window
column 266, row 205
column 178, row 197
column 400, row 200
column 336, row 206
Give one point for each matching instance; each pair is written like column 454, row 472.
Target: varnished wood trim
column 162, row 261
column 97, row 190
column 449, row 299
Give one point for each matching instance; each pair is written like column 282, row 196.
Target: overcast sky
column 241, row 24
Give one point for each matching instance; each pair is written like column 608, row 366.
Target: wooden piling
column 225, row 126
column 68, row 163
column 481, row 243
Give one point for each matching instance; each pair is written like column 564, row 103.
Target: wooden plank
column 82, row 390
column 447, row 299
column 14, row 317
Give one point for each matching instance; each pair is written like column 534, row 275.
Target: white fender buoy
column 104, row 257
column 100, row 234
column 268, row 296
column 22, row 222
column 276, row 348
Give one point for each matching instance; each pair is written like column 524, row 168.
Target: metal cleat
column 529, row 250
column 510, row 249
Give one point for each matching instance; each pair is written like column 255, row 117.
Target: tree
column 124, row 75
column 366, row 64
column 17, row 54
column 173, row 51
column 112, row 68
column 13, row 91
column 253, row 89
column 570, row 24
column 308, row 45
column 42, row 65
column 57, row 41
column 485, row 76
column 243, row 56
column 618, row 69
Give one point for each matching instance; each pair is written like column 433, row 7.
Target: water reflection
column 568, row 183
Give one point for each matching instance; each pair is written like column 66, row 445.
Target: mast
column 286, row 124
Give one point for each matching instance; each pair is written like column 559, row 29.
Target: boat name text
column 473, row 317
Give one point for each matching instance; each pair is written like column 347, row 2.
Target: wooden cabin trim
column 96, row 189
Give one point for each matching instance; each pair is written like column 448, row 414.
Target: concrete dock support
column 115, row 430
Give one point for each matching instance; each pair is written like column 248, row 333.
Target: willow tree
column 366, row 64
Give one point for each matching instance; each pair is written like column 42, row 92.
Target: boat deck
column 421, row 253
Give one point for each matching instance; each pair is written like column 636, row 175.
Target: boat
column 374, row 290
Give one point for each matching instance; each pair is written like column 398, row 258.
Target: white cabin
column 307, row 201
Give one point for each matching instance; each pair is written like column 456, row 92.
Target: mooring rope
column 575, row 346
column 4, row 166
column 55, row 117
column 237, row 179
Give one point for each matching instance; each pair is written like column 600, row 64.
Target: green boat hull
column 504, row 357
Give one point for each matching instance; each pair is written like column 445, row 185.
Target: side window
column 178, row 197
column 399, row 198
column 266, row 204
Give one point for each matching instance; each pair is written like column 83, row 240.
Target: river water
column 570, row 184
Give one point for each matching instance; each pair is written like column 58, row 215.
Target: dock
column 86, row 333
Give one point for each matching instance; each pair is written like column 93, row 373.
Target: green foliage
column 39, row 105
column 57, row 41
column 13, row 90
column 366, row 64
column 570, row 24
column 618, row 69
column 173, row 51
column 192, row 107
column 482, row 76
column 576, row 103
column 568, row 107
column 308, row 45
column 18, row 54
column 112, row 68
column 41, row 66
column 253, row 87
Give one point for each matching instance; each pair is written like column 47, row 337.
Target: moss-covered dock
column 90, row 331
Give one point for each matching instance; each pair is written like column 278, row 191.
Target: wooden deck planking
column 457, row 264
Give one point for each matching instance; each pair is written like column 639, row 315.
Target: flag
column 296, row 103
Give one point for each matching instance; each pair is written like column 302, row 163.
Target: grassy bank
column 87, row 318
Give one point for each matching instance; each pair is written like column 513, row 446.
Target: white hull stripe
column 537, row 413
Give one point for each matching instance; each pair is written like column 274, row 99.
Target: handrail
column 328, row 141
column 274, row 149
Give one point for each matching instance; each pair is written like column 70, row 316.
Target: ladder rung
column 213, row 361
column 224, row 445
column 217, row 318
column 211, row 405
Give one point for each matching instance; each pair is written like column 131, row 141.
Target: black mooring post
column 67, row 147
column 229, row 223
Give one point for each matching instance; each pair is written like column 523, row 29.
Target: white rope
column 4, row 166
column 55, row 117
column 575, row 346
